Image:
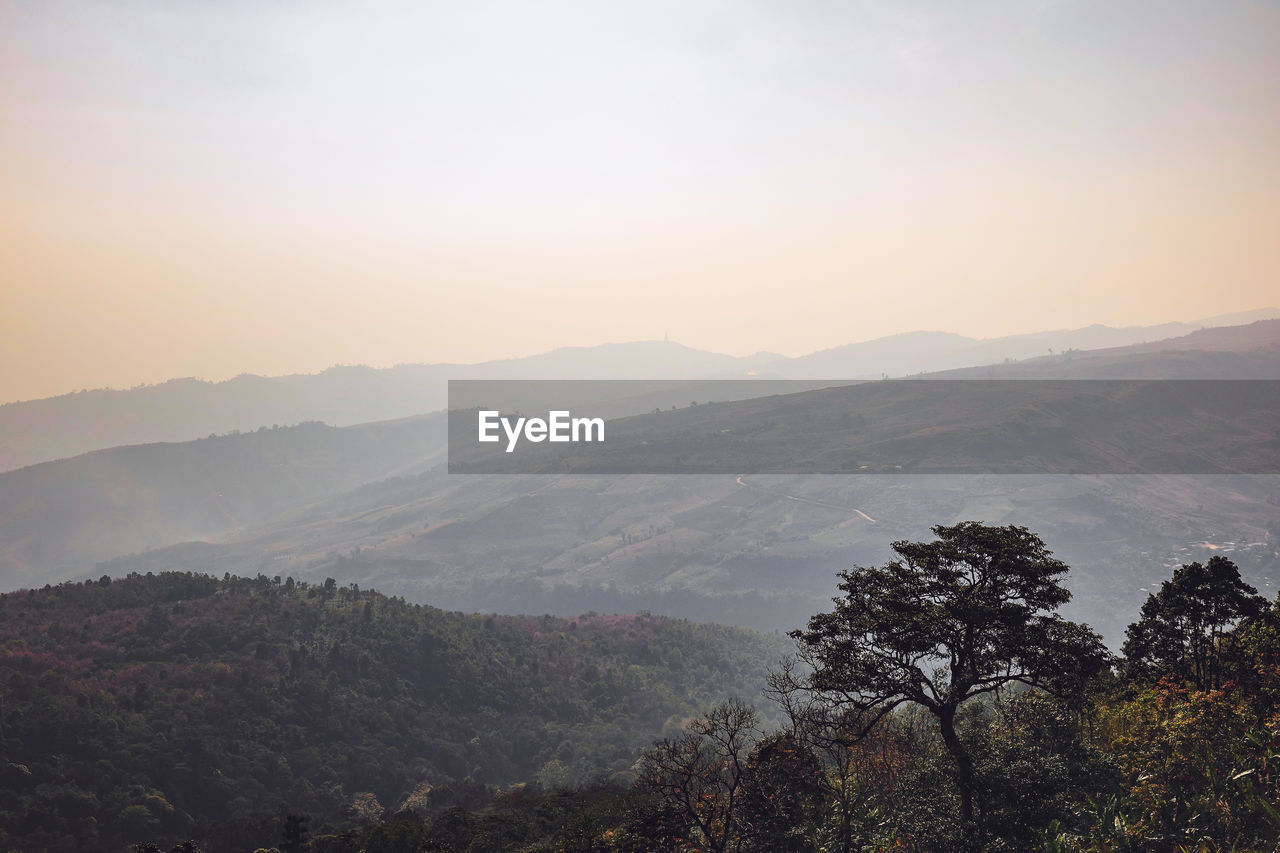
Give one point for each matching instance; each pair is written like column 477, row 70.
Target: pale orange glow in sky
column 204, row 189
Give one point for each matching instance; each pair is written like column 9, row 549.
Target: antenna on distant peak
column 666, row 339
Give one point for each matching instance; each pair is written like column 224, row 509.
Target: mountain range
column 183, row 409
column 373, row 505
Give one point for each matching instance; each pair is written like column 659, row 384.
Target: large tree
column 965, row 615
column 1182, row 626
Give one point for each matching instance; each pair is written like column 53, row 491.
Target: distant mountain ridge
column 121, row 499
column 371, row 504
column 184, row 409
column 916, row 352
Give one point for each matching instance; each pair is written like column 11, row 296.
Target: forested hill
column 180, row 705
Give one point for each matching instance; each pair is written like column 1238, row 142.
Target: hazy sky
column 209, row 188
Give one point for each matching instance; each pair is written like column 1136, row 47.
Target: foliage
column 1182, row 626
column 182, row 706
column 700, row 776
column 1192, row 726
column 253, row 714
column 1033, row 767
column 965, row 615
column 783, row 794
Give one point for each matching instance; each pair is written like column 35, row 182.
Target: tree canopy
column 250, row 713
column 1182, row 625
column 964, row 615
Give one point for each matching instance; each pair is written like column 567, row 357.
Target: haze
column 211, row 188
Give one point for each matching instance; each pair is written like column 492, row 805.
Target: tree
column 1181, row 628
column 295, row 833
column 965, row 615
column 700, row 776
column 852, row 769
column 783, row 795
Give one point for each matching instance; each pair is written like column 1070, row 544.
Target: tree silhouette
column 959, row 617
column 1182, row 625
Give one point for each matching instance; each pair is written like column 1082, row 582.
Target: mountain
column 635, row 360
column 65, row 515
column 183, row 409
column 916, row 352
column 178, row 705
column 1232, row 352
column 372, row 505
column 758, row 551
column 909, row 352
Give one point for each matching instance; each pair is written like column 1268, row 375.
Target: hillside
column 179, row 705
column 974, row 426
column 61, row 517
column 759, row 551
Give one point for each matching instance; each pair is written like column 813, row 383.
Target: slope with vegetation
column 953, row 710
column 180, row 705
column 942, row 705
column 61, row 517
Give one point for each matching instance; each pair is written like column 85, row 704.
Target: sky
column 204, row 189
